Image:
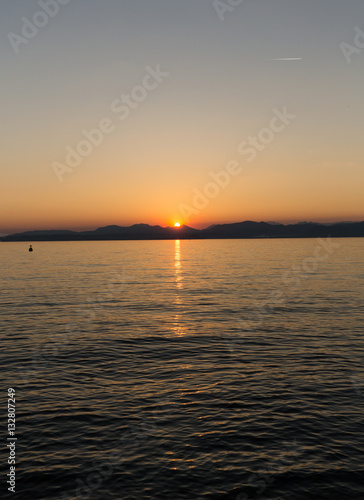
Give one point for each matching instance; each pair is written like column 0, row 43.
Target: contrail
column 286, row 59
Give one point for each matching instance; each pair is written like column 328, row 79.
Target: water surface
column 215, row 369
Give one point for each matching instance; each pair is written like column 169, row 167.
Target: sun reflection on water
column 177, row 326
column 177, row 263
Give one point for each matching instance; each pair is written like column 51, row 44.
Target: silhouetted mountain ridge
column 246, row 229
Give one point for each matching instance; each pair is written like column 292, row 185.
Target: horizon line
column 3, row 235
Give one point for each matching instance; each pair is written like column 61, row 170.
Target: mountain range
column 247, row 229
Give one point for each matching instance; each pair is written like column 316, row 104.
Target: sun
column 177, row 224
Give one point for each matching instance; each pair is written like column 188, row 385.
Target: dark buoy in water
column 30, row 248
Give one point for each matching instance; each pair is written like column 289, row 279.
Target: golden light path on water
column 156, row 377
column 177, row 327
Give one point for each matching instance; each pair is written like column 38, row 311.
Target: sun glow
column 177, row 224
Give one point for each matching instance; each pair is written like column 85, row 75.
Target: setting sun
column 177, row 224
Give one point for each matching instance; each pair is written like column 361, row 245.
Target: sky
column 194, row 111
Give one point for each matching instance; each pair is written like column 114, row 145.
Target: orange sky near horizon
column 173, row 115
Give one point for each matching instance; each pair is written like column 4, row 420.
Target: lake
column 214, row 369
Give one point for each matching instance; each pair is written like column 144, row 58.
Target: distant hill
column 247, row 229
column 135, row 232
